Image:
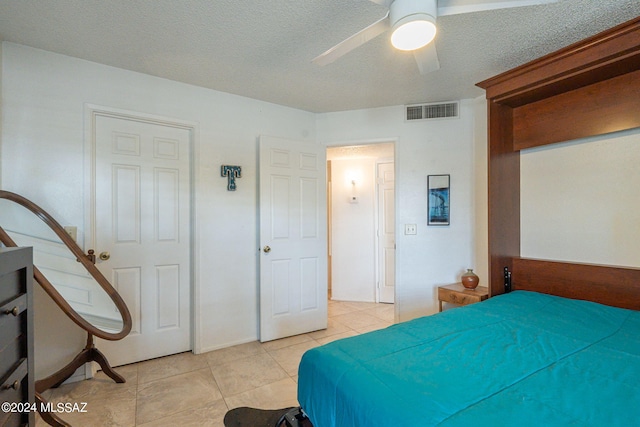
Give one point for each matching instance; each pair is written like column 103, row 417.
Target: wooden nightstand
column 458, row 294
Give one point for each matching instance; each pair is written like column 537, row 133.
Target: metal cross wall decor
column 231, row 172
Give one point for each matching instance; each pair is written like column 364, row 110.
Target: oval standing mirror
column 72, row 280
column 63, row 270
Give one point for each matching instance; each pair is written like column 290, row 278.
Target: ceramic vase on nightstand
column 470, row 279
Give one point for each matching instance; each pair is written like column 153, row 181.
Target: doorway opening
column 361, row 223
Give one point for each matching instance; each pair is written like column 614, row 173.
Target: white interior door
column 293, row 238
column 142, row 220
column 386, row 232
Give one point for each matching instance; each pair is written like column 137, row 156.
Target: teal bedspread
column 520, row 359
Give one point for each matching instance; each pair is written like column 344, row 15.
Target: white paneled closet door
column 142, row 220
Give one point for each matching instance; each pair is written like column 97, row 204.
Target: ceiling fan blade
column 454, row 7
column 385, row 3
column 427, row 58
column 356, row 40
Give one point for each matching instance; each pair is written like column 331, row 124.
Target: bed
column 522, row 358
column 557, row 343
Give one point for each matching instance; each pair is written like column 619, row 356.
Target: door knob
column 266, row 249
column 15, row 385
column 15, row 311
column 104, row 256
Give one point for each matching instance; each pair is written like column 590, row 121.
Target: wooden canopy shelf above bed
column 589, row 88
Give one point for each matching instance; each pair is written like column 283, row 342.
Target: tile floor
column 197, row 390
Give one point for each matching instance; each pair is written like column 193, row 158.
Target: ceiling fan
column 413, row 25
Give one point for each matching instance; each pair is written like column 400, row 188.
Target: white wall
column 436, row 255
column 579, row 200
column 43, row 101
column 352, row 231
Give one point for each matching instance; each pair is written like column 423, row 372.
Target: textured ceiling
column 263, row 49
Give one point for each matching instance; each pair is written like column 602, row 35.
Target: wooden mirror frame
column 90, row 353
column 82, row 258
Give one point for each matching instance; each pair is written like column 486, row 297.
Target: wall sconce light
column 353, row 198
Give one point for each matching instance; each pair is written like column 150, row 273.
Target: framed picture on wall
column 439, row 197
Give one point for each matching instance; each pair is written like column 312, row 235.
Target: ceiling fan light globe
column 412, row 34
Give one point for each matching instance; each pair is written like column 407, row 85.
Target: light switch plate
column 72, row 231
column 410, row 229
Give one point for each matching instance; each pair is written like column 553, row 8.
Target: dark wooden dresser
column 17, row 394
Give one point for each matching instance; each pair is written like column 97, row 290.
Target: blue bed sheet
column 520, row 359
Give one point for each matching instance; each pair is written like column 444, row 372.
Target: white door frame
column 374, row 141
column 87, row 238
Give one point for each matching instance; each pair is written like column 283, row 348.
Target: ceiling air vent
column 440, row 110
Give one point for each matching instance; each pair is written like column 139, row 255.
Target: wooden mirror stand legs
column 89, row 354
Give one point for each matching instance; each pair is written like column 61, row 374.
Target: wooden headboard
column 589, row 88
